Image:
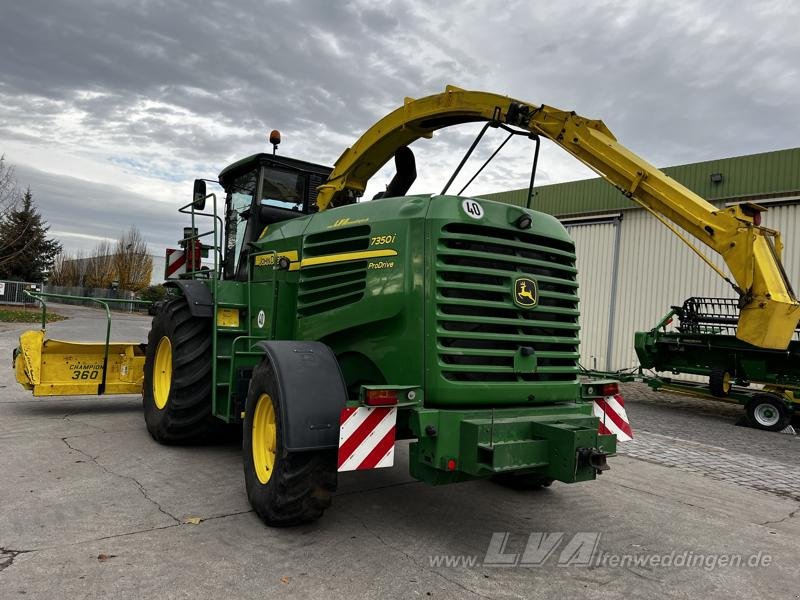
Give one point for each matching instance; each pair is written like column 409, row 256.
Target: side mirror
column 199, row 202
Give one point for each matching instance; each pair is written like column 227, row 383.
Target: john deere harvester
column 331, row 328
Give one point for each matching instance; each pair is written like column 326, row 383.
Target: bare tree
column 9, row 200
column 99, row 270
column 9, row 190
column 125, row 261
column 58, row 273
column 68, row 270
column 133, row 264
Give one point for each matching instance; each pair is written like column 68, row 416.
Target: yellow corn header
column 64, row 368
column 60, row 368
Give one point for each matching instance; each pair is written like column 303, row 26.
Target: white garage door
column 594, row 246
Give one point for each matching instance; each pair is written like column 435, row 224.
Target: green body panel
column 368, row 310
column 416, row 292
column 387, row 317
column 474, row 331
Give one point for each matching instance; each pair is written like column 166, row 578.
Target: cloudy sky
column 109, row 109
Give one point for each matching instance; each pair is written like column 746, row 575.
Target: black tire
column 768, row 412
column 186, row 418
column 719, row 382
column 299, row 485
column 522, row 481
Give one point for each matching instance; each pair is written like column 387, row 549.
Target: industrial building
column 632, row 269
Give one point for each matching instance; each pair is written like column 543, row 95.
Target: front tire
column 176, row 394
column 284, row 488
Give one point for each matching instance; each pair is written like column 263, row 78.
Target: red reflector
column 381, row 397
column 669, row 321
column 609, row 389
column 757, row 219
column 451, row 465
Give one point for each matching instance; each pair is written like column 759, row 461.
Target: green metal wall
column 744, row 177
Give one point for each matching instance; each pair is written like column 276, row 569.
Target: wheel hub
column 162, row 372
column 265, row 438
column 766, row 415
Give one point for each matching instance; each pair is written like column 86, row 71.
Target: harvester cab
column 261, row 190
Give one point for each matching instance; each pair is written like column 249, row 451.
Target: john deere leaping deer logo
column 526, row 293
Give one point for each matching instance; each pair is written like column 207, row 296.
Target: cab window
column 241, row 194
column 283, row 189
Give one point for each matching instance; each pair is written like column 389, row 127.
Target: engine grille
column 325, row 287
column 479, row 328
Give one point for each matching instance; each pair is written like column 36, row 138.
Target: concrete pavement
column 80, row 479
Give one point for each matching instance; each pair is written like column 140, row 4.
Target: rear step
column 527, row 442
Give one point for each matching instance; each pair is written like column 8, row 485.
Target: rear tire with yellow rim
column 284, row 488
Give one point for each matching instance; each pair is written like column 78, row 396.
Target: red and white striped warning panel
column 175, row 263
column 613, row 418
column 366, row 437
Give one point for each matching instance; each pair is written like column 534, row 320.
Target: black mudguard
column 312, row 392
column 201, row 304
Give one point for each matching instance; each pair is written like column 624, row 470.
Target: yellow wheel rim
column 162, row 372
column 726, row 382
column 265, row 438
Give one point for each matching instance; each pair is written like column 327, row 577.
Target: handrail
column 249, row 336
column 217, row 233
column 39, row 297
column 218, row 263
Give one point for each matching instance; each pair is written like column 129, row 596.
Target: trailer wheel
column 522, row 481
column 719, row 382
column 768, row 412
column 284, row 488
column 176, row 394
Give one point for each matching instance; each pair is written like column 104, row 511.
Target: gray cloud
column 81, row 212
column 165, row 91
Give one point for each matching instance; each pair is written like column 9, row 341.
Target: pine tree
column 26, row 253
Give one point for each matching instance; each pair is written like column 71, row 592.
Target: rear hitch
column 592, row 457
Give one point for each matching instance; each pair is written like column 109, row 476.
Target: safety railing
column 189, row 240
column 198, row 272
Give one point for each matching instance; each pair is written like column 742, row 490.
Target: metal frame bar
column 495, row 122
column 488, row 160
column 466, row 156
column 534, row 136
